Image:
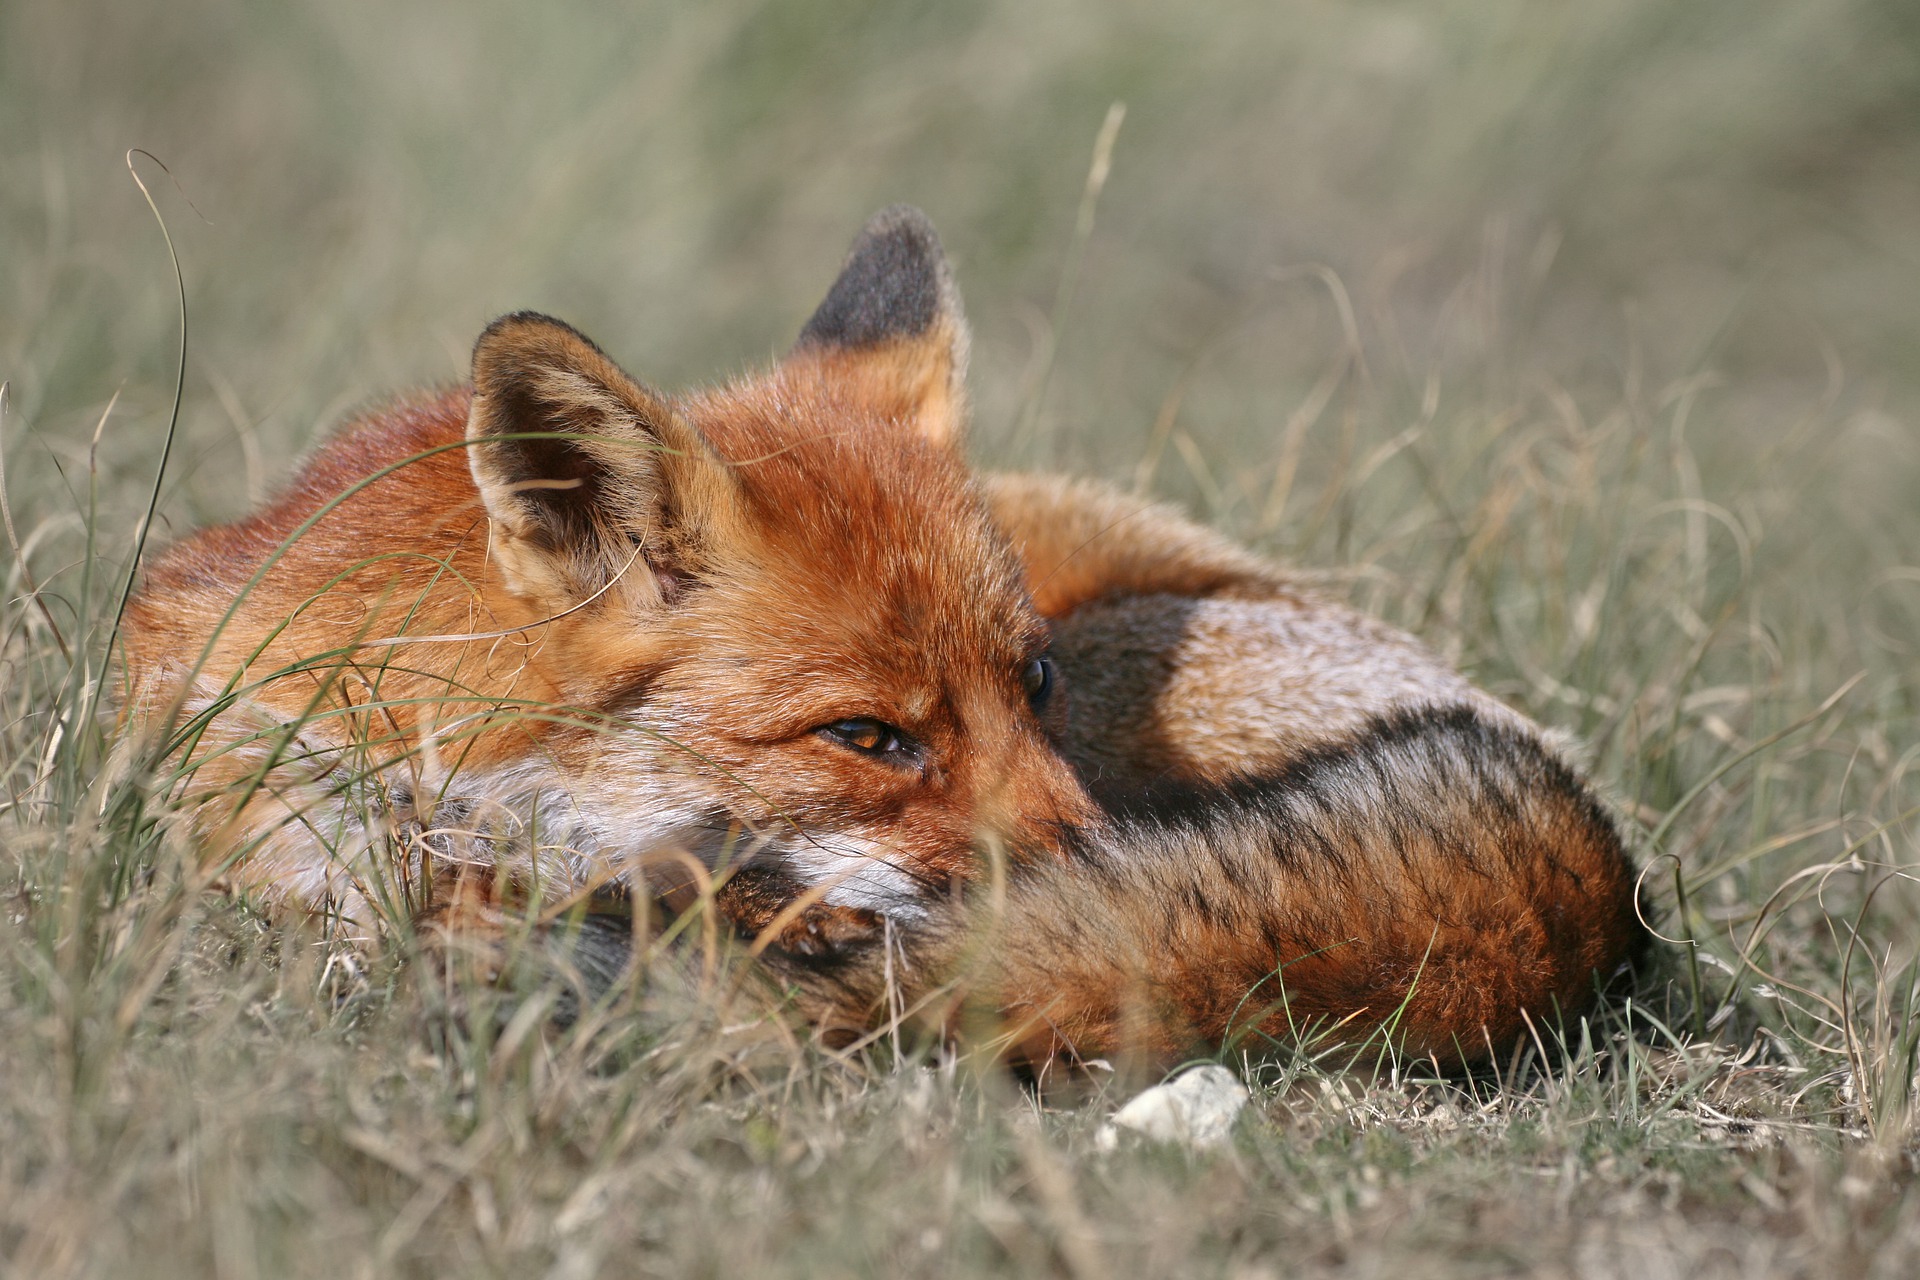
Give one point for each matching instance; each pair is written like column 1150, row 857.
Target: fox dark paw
column 823, row 930
column 759, row 902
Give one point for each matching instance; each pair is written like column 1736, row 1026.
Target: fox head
column 782, row 598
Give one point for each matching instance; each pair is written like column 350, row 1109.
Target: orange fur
column 549, row 634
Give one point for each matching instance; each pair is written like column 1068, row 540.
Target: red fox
column 1015, row 739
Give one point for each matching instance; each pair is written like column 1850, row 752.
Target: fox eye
column 872, row 738
column 1038, row 679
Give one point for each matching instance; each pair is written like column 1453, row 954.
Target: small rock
column 1197, row 1109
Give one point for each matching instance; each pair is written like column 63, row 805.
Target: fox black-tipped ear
column 585, row 473
column 892, row 324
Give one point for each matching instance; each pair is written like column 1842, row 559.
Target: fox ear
column 586, row 474
column 892, row 323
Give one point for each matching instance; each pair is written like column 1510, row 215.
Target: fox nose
column 1036, row 803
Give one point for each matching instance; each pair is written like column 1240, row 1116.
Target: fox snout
column 1035, row 803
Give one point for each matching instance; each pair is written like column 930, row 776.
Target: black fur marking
column 893, row 285
column 1491, row 754
column 593, row 954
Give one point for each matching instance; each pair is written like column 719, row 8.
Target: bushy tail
column 1433, row 883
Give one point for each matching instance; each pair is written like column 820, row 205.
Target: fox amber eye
column 871, row 737
column 1038, row 680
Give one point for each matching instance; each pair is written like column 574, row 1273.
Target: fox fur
column 1428, row 880
column 948, row 742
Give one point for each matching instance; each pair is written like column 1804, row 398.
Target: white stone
column 1196, row 1109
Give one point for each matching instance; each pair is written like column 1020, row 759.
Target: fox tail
column 1437, row 883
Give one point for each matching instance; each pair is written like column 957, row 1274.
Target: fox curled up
column 1023, row 759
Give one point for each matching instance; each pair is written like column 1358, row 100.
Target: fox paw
column 758, row 902
column 821, row 930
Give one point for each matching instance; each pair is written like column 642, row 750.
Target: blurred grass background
column 1583, row 339
column 1616, row 194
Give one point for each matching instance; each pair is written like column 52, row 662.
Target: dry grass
column 1579, row 342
